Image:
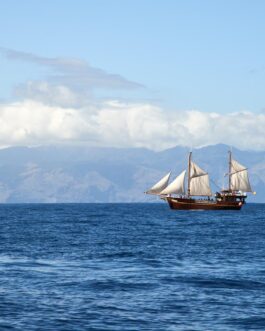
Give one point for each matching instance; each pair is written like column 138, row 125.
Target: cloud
column 49, row 94
column 116, row 124
column 63, row 109
column 73, row 73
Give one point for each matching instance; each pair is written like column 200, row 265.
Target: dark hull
column 193, row 204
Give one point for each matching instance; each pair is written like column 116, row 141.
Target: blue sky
column 170, row 62
column 206, row 55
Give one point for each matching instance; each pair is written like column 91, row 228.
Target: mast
column 189, row 168
column 229, row 169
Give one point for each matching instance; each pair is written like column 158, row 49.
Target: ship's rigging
column 198, row 184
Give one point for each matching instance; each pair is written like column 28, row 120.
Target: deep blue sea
column 131, row 267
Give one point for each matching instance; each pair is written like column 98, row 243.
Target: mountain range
column 50, row 174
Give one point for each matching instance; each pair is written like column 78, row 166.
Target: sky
column 126, row 73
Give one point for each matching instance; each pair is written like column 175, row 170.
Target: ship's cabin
column 231, row 196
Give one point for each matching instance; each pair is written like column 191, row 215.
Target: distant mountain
column 84, row 174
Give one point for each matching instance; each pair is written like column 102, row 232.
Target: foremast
column 198, row 183
column 189, row 169
column 229, row 169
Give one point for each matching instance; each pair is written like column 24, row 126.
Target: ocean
column 131, row 267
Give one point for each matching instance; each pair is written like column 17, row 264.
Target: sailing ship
column 198, row 194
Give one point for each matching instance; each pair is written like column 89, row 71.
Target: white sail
column 235, row 166
column 199, row 181
column 240, row 181
column 160, row 185
column 196, row 171
column 239, row 177
column 200, row 185
column 177, row 186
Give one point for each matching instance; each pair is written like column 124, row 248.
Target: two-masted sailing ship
column 198, row 194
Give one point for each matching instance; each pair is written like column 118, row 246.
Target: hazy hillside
column 82, row 174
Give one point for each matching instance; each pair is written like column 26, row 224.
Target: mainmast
column 229, row 169
column 189, row 168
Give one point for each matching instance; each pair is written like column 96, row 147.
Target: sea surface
column 131, row 267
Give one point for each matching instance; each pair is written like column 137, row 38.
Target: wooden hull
column 193, row 204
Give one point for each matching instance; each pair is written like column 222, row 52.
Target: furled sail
column 160, row 185
column 199, row 181
column 177, row 186
column 239, row 177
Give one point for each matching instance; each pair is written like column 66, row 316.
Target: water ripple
column 131, row 267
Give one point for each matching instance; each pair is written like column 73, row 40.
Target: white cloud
column 62, row 109
column 42, row 91
column 126, row 125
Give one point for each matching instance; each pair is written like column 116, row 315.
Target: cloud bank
column 62, row 108
column 119, row 124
